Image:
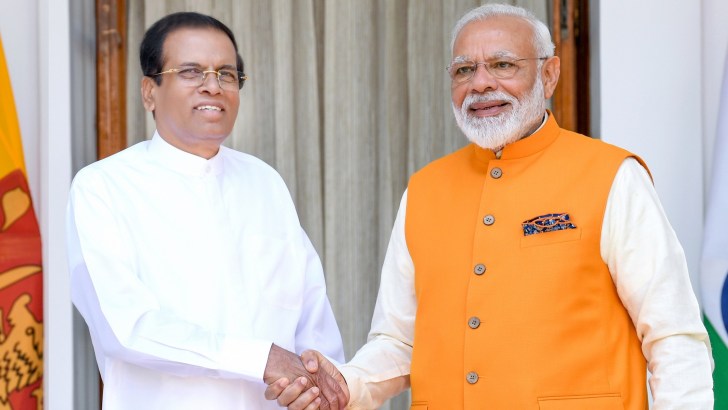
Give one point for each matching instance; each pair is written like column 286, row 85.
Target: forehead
column 498, row 36
column 198, row 45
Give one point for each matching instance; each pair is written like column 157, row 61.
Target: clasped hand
column 298, row 386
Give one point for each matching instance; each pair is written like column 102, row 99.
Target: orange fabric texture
column 509, row 321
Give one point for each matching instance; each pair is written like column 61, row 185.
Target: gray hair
column 541, row 35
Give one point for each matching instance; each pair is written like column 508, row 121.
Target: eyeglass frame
column 241, row 76
column 486, row 65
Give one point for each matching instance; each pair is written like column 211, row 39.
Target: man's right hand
column 299, row 395
column 283, row 364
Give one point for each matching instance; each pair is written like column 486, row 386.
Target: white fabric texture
column 647, row 265
column 186, row 270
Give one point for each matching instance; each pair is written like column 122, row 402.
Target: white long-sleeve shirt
column 647, row 265
column 186, row 270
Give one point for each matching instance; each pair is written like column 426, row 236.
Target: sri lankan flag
column 21, row 279
column 714, row 269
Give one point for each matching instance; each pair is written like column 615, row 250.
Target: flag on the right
column 714, row 267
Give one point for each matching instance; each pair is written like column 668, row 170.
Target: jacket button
column 472, row 377
column 473, row 322
column 479, row 269
column 489, row 220
column 496, row 173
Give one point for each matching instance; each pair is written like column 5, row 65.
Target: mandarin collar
column 534, row 143
column 181, row 161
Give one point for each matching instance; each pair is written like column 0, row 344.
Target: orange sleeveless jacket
column 513, row 321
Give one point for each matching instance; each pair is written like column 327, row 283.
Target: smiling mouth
column 208, row 108
column 480, row 107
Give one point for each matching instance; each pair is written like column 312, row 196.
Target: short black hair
column 152, row 47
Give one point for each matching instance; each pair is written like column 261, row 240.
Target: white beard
column 494, row 133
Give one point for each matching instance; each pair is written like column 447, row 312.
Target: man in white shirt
column 187, row 258
column 533, row 269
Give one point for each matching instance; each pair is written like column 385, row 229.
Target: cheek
column 522, row 93
column 458, row 95
column 520, row 89
column 234, row 103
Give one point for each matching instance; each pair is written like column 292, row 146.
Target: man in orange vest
column 532, row 269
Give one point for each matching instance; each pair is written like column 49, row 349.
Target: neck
column 537, row 124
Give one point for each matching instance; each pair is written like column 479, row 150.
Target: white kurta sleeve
column 650, row 273
column 317, row 327
column 380, row 369
column 125, row 320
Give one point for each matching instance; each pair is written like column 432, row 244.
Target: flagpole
column 55, row 165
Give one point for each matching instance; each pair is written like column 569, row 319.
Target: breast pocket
column 608, row 401
column 549, row 238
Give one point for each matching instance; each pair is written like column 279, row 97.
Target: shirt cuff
column 245, row 356
column 359, row 397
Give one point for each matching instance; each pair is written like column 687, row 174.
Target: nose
column 482, row 80
column 210, row 83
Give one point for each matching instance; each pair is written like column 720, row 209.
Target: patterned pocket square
column 547, row 223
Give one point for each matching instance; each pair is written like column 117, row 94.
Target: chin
column 214, row 133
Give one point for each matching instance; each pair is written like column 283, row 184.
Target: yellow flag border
column 11, row 145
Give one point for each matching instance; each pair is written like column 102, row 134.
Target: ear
column 550, row 71
column 148, row 90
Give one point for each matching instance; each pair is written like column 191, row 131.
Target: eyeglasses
column 229, row 80
column 500, row 68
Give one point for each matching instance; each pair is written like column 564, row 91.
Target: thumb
column 310, row 360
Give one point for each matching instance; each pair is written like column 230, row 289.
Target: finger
column 342, row 394
column 308, row 399
column 343, row 391
column 292, row 392
column 336, row 391
column 274, row 389
column 332, row 383
column 330, row 392
column 324, row 404
column 310, row 359
column 314, row 404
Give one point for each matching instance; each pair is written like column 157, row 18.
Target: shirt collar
column 538, row 141
column 181, row 161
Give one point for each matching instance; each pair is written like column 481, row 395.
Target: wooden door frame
column 111, row 47
column 570, row 33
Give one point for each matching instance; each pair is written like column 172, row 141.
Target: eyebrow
column 497, row 54
column 460, row 59
column 501, row 54
column 193, row 64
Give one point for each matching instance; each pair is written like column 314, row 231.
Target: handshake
column 306, row 382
